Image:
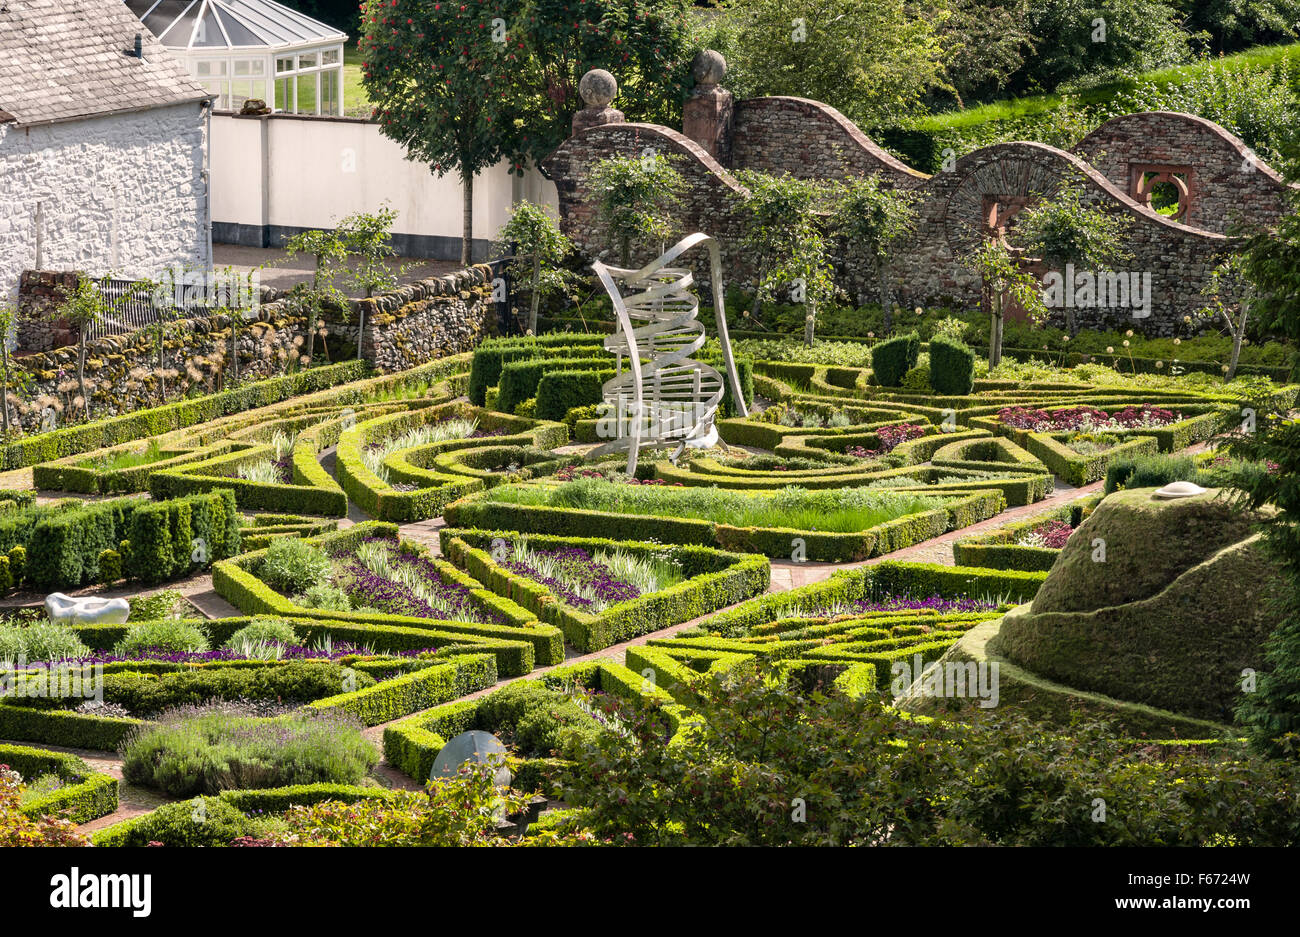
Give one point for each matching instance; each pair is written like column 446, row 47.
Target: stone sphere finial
column 598, row 88
column 709, row 67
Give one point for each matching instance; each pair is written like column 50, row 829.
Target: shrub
column 203, row 821
column 293, row 565
column 6, row 575
column 40, row 641
column 171, row 636
column 164, row 604
column 18, row 564
column 110, row 567
column 536, row 719
column 263, row 630
column 891, row 360
column 917, row 379
column 18, row 829
column 324, row 596
column 211, row 752
column 952, row 367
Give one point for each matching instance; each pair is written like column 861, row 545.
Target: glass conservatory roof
column 216, row 25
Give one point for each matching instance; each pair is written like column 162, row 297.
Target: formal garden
column 981, row 570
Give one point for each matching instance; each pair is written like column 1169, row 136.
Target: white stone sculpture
column 1180, row 490
column 64, row 609
column 670, row 398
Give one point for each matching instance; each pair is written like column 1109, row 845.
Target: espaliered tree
column 368, row 239
column 1003, row 277
column 776, row 215
column 328, row 249
column 535, row 246
column 1065, row 230
column 445, row 80
column 638, row 201
column 870, row 218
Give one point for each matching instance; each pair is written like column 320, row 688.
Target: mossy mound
column 1148, row 543
column 1156, row 637
column 1052, row 702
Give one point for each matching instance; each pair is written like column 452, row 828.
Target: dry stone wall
column 416, row 323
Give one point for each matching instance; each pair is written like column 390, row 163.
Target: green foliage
column 110, row 567
column 536, row 720
column 1272, row 713
column 263, row 630
column 892, row 359
column 870, row 218
column 532, row 239
column 40, row 641
column 952, row 367
column 203, row 821
column 167, row 603
column 169, row 636
column 784, row 47
column 210, row 752
column 867, row 776
column 638, row 201
column 293, row 565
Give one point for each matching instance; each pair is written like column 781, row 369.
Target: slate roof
column 69, row 59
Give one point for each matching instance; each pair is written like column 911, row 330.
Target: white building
column 242, row 49
column 102, row 147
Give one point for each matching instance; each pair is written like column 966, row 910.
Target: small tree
column 8, row 318
column 368, row 238
column 1064, row 230
column 1270, row 263
column 443, row 78
column 638, row 200
column 1003, row 276
column 328, row 248
column 537, row 247
column 1230, row 301
column 84, row 307
column 871, row 218
column 776, row 213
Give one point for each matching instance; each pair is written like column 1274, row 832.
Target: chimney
column 139, row 46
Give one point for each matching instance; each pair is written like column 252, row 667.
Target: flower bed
column 509, row 632
column 654, row 587
column 1032, row 544
column 820, row 525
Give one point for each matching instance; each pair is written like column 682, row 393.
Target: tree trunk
column 311, row 331
column 361, row 320
column 886, row 300
column 809, row 323
column 81, row 370
column 1238, row 333
column 626, row 258
column 758, row 296
column 4, row 383
column 995, row 326
column 162, row 361
column 537, row 294
column 467, row 230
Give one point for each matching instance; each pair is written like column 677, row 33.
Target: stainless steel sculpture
column 669, row 397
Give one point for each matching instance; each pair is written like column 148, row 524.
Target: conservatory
column 241, row 49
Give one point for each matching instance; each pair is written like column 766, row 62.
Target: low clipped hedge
column 87, row 795
column 412, row 745
column 998, row 549
column 480, row 512
column 519, row 645
column 400, row 696
column 1078, row 469
column 490, row 356
column 433, row 489
column 715, row 579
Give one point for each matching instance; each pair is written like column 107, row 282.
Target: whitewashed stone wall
column 119, row 194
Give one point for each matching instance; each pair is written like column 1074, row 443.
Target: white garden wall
column 121, row 193
column 276, row 175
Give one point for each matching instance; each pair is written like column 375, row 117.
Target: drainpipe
column 207, row 178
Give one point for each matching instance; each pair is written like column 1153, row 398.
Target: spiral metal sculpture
column 668, row 397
